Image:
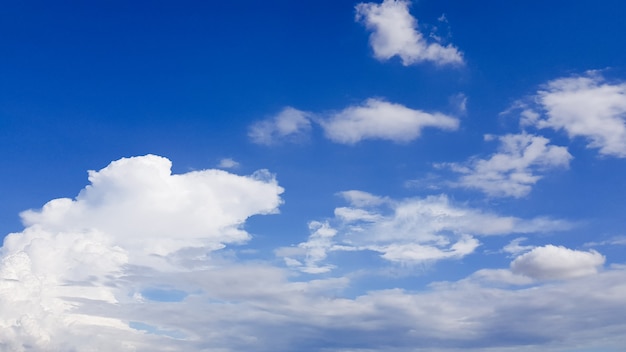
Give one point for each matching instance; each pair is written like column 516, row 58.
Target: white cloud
column 290, row 125
column 378, row 119
column 228, row 163
column 395, row 33
column 513, row 170
column 557, row 262
column 74, row 254
column 584, row 106
column 140, row 202
column 413, row 230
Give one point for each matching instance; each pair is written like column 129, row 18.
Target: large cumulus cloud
column 134, row 214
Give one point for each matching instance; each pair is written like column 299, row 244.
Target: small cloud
column 395, row 33
column 228, row 163
column 379, row 119
column 290, row 125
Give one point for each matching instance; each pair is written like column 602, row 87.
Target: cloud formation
column 408, row 231
column 395, row 33
column 75, row 255
column 379, row 119
column 514, row 168
column 584, row 106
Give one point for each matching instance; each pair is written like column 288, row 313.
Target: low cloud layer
column 134, row 263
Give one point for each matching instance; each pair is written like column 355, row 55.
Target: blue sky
column 297, row 175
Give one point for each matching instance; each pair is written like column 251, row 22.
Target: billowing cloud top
column 140, row 203
column 134, row 214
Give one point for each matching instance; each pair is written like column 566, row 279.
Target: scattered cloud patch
column 290, row 125
column 379, row 119
column 408, row 231
column 613, row 241
column 395, row 33
column 514, row 168
column 584, row 106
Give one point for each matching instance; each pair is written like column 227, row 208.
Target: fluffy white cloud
column 395, row 33
column 557, row 262
column 414, row 230
column 290, row 125
column 584, row 106
column 379, row 119
column 146, row 208
column 75, row 255
column 513, row 170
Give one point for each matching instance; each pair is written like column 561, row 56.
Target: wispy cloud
column 290, row 125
